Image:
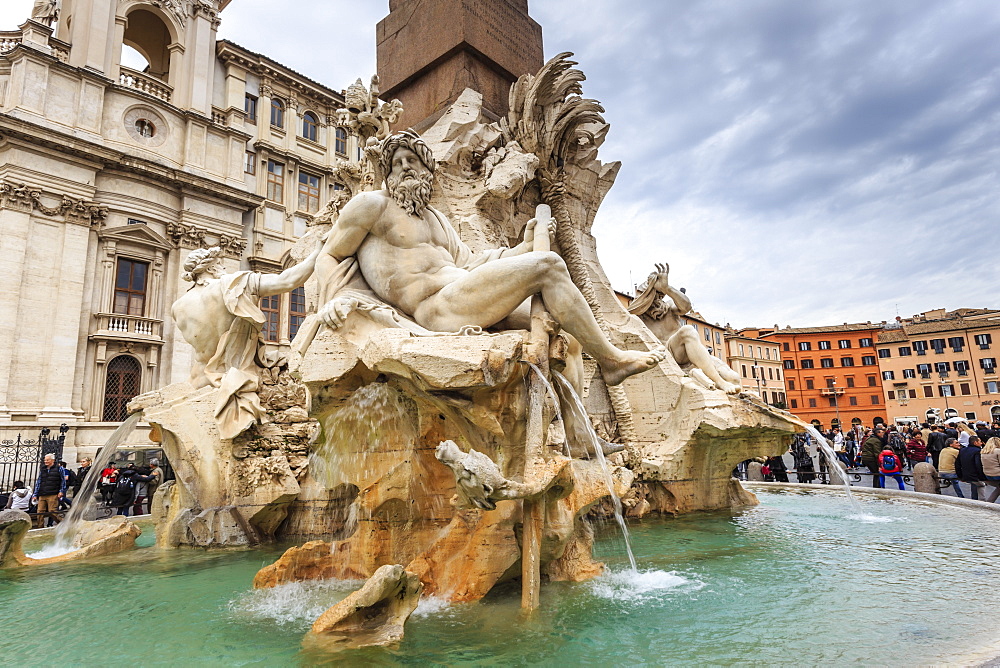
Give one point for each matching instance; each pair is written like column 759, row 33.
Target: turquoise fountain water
column 792, row 581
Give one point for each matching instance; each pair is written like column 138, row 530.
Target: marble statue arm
column 289, row 279
column 682, row 304
column 528, row 244
column 354, row 224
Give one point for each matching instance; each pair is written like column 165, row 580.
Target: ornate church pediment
column 140, row 235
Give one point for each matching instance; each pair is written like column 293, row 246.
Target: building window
column 947, row 390
column 942, row 367
column 989, row 364
column 984, row 341
column 812, row 403
column 924, row 370
column 962, row 367
column 708, row 334
column 853, row 401
column 340, row 141
column 824, row 345
column 275, row 181
column 770, row 373
column 850, row 381
column 145, row 128
column 277, row 113
column 130, row 287
column 807, row 364
column 270, row 306
column 785, row 346
column 868, row 360
column 920, row 347
column 884, row 352
column 309, row 126
column 888, row 375
column 844, row 343
column 250, row 166
column 913, row 394
column 892, row 395
column 718, row 339
column 866, row 343
column 788, row 364
column 795, row 404
column 741, row 350
column 846, row 361
column 956, row 343
column 250, row 106
column 992, row 387
column 909, row 373
column 875, row 400
column 308, row 192
column 121, row 386
column 791, row 384
column 805, row 345
column 905, row 351
column 296, row 310
column 777, row 374
column 964, row 389
column 928, row 391
column 826, row 363
column 744, row 370
column 809, row 384
column 938, row 346
column 832, row 401
column 872, row 381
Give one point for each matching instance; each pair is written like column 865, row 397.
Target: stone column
column 15, row 219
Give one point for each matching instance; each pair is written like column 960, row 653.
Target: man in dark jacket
column 124, row 494
column 49, row 488
column 870, row 451
column 969, row 465
column 935, row 443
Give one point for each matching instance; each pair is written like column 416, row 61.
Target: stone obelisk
column 429, row 51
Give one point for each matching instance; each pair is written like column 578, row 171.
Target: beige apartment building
column 941, row 364
column 758, row 361
column 110, row 175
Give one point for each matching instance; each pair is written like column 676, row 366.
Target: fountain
column 439, row 440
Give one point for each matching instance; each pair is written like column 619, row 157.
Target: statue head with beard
column 408, row 165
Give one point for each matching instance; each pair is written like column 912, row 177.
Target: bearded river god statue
column 412, row 259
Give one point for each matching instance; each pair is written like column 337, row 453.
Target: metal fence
column 21, row 458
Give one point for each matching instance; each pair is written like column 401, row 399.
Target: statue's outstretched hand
column 335, row 312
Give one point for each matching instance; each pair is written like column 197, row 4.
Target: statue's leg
column 492, row 291
column 685, row 346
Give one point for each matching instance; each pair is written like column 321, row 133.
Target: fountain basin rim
column 883, row 493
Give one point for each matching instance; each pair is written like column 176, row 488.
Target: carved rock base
column 94, row 539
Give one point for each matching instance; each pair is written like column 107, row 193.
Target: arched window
column 340, row 144
column 309, row 126
column 277, row 113
column 122, row 385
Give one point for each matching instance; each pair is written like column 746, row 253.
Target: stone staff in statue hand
column 221, row 319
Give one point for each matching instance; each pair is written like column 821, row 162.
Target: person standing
column 870, row 451
column 141, row 480
column 124, row 493
column 156, row 479
column 49, row 489
column 109, row 476
column 936, row 443
column 916, row 449
column 948, row 458
column 969, row 465
column 81, row 473
column 990, row 458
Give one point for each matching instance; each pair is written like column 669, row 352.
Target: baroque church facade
column 110, row 175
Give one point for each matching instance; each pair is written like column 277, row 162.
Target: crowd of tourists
column 124, row 488
column 959, row 452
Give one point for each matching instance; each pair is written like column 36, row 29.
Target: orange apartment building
column 941, row 364
column 831, row 373
column 758, row 361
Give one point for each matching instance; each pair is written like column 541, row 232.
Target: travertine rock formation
column 94, row 539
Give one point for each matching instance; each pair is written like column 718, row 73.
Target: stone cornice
column 25, row 198
column 186, row 235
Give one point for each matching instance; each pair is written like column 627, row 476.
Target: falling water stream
column 833, row 464
column 585, row 428
column 85, row 501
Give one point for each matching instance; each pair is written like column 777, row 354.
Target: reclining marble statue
column 220, row 317
column 661, row 307
column 412, row 259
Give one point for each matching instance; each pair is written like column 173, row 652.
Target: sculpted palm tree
column 549, row 117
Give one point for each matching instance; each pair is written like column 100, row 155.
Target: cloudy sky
column 798, row 163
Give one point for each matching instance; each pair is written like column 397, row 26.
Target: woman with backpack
column 889, row 464
column 124, row 494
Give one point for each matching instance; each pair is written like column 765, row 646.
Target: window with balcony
column 988, row 364
column 984, row 341
column 924, row 370
column 846, row 361
column 884, row 353
column 271, row 307
column 938, row 346
column 340, row 141
column 807, row 364
column 942, row 368
column 130, row 287
column 308, row 192
column 826, row 363
column 956, row 343
column 920, row 347
column 296, row 310
column 805, row 345
column 962, row 367
column 277, row 113
column 122, row 384
column 866, row 343
column 310, row 126
column 844, row 343
column 868, row 360
column 905, row 351
column 824, row 345
column 275, row 181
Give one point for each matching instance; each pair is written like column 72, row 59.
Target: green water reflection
column 792, row 581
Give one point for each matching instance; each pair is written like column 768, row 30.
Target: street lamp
column 756, row 374
column 943, row 376
column 836, row 403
